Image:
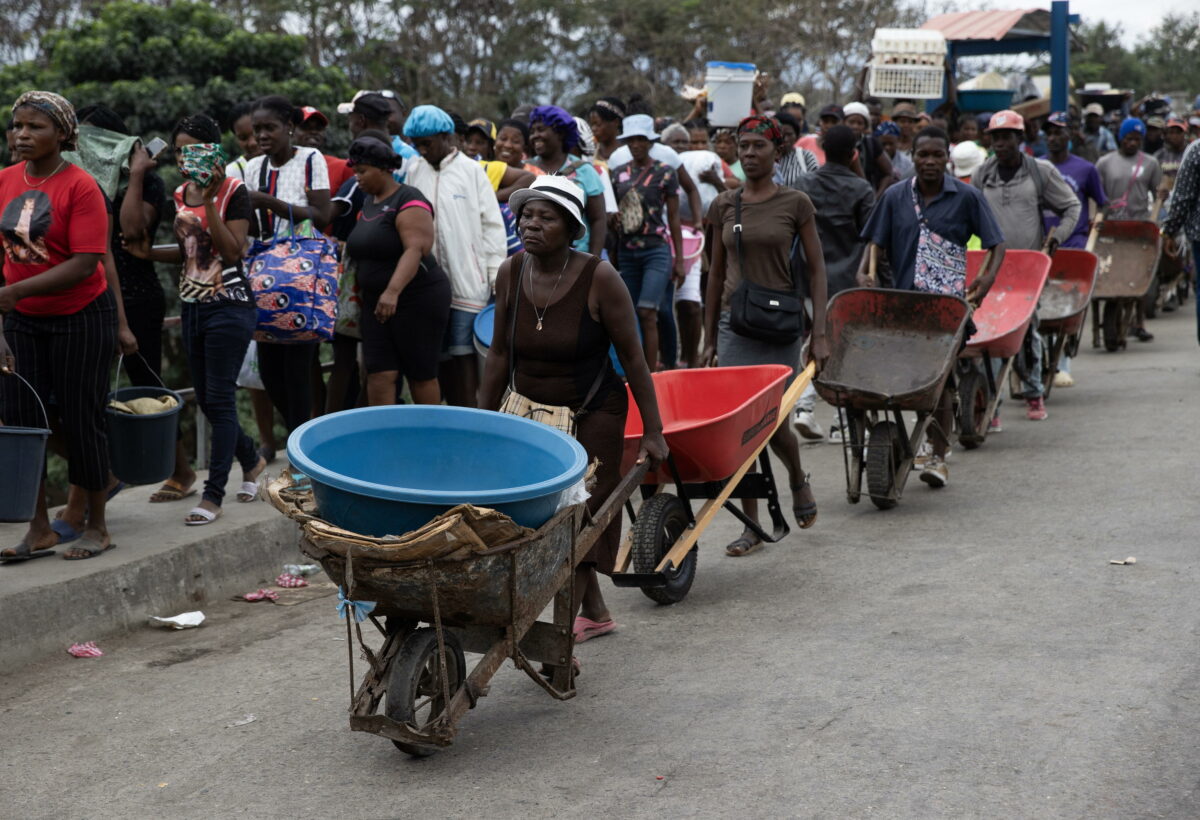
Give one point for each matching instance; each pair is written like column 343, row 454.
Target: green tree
column 156, row 64
column 1170, row 57
column 1101, row 57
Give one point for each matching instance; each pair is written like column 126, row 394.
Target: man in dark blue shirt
column 924, row 225
column 952, row 209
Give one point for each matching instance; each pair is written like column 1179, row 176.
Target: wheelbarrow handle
column 983, row 266
column 873, row 263
column 1095, row 232
column 610, row 509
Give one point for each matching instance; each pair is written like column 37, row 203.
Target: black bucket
column 22, row 462
column 141, row 449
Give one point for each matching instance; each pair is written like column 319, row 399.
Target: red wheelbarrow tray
column 1128, row 251
column 714, row 418
column 890, row 349
column 1004, row 316
column 1068, row 291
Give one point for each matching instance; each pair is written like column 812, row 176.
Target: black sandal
column 744, row 544
column 806, row 514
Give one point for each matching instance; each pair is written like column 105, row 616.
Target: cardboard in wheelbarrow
column 456, row 534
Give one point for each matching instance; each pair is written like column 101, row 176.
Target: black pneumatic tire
column 415, row 675
column 883, row 456
column 660, row 523
column 1111, row 322
column 972, row 408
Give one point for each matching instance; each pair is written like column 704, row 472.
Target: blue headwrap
column 560, row 121
column 427, row 120
column 1129, row 125
column 887, row 128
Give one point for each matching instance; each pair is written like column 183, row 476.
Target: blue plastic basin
column 389, row 470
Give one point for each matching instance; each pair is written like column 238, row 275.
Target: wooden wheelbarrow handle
column 1095, row 232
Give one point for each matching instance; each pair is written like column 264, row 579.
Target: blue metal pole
column 1060, row 53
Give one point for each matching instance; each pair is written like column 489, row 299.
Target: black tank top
column 558, row 364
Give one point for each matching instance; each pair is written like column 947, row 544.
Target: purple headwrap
column 560, row 121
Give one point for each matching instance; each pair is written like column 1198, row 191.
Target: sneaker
column 1142, row 334
column 835, row 435
column 924, row 453
column 994, row 426
column 807, row 425
column 1036, row 409
column 936, row 474
column 1062, row 379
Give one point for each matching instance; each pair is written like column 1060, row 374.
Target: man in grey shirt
column 1018, row 187
column 1130, row 176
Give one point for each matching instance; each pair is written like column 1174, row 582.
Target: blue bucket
column 389, row 470
column 22, row 463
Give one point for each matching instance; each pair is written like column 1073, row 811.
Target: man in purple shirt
column 1080, row 174
column 1084, row 180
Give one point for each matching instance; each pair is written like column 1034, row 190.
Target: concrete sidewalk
column 159, row 566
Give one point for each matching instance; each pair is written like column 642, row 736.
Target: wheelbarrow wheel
column 1112, row 325
column 661, row 521
column 972, row 408
column 415, row 694
column 884, row 453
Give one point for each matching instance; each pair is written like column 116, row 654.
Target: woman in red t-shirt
column 60, row 323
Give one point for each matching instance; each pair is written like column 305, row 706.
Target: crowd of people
column 607, row 229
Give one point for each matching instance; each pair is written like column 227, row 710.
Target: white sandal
column 249, row 491
column 206, row 516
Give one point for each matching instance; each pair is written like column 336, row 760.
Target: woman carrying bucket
column 557, row 312
column 60, row 318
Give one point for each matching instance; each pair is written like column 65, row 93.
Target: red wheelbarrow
column 1000, row 322
column 890, row 351
column 1062, row 310
column 717, row 422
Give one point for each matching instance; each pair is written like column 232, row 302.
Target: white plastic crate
column 914, row 82
column 908, row 41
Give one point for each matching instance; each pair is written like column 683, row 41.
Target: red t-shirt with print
column 43, row 225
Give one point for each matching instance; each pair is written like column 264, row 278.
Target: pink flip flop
column 586, row 629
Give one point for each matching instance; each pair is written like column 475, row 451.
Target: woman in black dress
column 406, row 296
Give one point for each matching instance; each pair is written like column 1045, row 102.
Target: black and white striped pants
column 67, row 360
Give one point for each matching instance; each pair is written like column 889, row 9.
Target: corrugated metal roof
column 991, row 25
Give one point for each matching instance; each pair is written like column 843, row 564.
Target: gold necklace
column 546, row 306
column 61, row 165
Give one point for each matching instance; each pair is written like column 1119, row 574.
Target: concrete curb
column 49, row 615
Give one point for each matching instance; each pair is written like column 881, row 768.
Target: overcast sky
column 1136, row 17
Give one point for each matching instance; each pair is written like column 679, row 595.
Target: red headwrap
column 766, row 126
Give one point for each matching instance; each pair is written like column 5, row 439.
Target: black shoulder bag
column 759, row 312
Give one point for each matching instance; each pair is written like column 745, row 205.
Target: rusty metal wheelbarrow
column 488, row 603
column 890, row 351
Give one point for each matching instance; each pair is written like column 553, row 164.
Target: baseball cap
column 904, row 110
column 832, row 110
column 1175, row 122
column 1059, row 118
column 1006, row 121
column 793, row 98
column 1156, row 122
column 347, row 107
column 485, row 127
column 1194, row 122
column 1093, row 108
column 310, row 113
column 370, row 104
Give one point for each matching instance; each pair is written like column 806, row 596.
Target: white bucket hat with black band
column 638, row 125
column 559, row 190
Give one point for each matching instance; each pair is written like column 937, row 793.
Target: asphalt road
column 971, row 653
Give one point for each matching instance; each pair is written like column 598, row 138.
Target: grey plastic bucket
column 22, row 463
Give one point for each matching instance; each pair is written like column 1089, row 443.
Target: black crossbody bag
column 759, row 312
